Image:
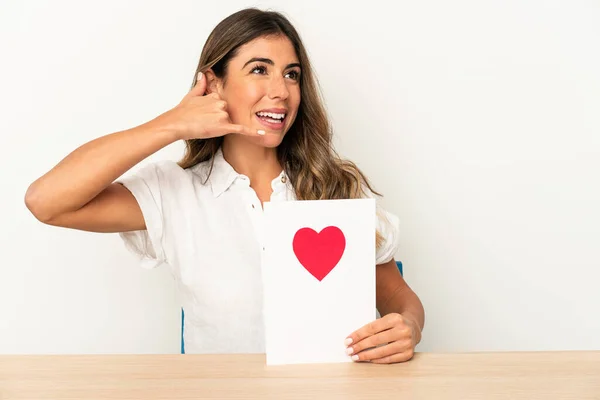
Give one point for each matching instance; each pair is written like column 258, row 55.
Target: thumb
column 200, row 87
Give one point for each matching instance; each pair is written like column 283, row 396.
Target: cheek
column 241, row 100
column 296, row 97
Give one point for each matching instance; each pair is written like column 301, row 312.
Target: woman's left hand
column 398, row 334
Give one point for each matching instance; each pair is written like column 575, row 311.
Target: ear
column 213, row 84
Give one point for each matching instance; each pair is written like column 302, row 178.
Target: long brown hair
column 306, row 153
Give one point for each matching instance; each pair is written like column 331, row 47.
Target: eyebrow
column 269, row 61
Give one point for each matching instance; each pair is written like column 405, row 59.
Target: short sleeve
column 388, row 225
column 147, row 245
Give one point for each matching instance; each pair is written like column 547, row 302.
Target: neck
column 258, row 163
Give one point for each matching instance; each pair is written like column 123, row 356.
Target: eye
column 295, row 75
column 260, row 69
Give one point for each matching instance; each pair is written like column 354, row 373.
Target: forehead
column 277, row 48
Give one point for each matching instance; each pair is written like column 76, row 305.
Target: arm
column 79, row 191
column 393, row 337
column 395, row 296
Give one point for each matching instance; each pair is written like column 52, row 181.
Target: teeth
column 275, row 121
column 271, row 115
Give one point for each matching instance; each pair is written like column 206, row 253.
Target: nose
column 278, row 88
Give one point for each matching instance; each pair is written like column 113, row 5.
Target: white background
column 478, row 121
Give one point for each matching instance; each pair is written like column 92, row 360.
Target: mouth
column 271, row 119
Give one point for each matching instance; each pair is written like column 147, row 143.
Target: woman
column 255, row 131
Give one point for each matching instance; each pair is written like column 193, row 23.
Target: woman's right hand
column 200, row 116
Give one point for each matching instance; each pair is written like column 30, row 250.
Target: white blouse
column 209, row 235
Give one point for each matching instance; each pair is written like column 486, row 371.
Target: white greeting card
column 319, row 277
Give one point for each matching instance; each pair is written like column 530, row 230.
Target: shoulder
column 165, row 171
column 165, row 179
column 386, row 220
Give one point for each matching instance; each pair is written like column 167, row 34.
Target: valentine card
column 319, row 277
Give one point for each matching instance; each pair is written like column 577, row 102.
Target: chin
column 270, row 141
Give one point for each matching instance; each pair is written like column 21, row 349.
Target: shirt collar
column 223, row 176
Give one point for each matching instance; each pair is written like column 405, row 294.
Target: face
column 262, row 88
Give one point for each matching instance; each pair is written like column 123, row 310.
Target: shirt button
column 252, row 205
column 283, row 179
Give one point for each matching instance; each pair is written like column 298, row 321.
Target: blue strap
column 182, row 325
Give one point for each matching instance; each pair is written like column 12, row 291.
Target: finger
column 395, row 358
column 385, row 337
column 200, row 87
column 372, row 328
column 242, row 130
column 222, row 105
column 382, row 351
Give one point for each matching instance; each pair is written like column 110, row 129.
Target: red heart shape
column 319, row 252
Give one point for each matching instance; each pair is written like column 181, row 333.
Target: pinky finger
column 395, row 358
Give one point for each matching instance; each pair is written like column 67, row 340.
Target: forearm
column 89, row 169
column 405, row 301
